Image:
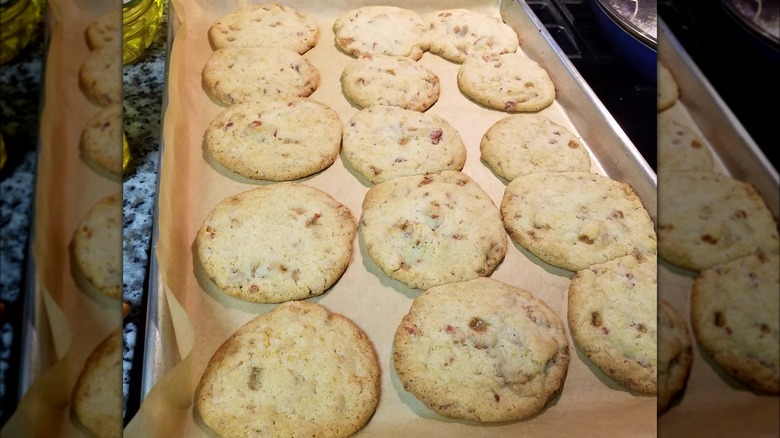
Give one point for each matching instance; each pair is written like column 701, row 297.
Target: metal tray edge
column 708, row 109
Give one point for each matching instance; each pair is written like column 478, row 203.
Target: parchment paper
column 713, row 404
column 72, row 318
column 591, row 404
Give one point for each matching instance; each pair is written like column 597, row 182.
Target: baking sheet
column 192, row 319
column 713, row 404
column 67, row 319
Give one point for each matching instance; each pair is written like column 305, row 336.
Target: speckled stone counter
column 143, row 92
column 20, row 87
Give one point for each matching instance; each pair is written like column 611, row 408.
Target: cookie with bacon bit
column 99, row 138
column 705, row 219
column 96, row 245
column 509, row 82
column 680, row 148
column 299, row 370
column 481, row 350
column 389, row 80
column 245, row 74
column 675, row 355
column 381, row 30
column 276, row 243
column 734, row 308
column 268, row 25
column 432, row 229
column 385, row 142
column 458, row 34
column 612, row 318
column 576, row 219
column 271, row 139
column 521, row 144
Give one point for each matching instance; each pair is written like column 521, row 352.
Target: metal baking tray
column 615, row 155
column 713, row 403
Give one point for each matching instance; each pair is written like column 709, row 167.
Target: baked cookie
column 432, row 229
column 246, row 74
column 458, row 34
column 680, row 149
column 667, row 88
column 613, row 319
column 481, row 350
column 509, row 82
column 269, row 25
column 705, row 219
column 389, row 80
column 675, row 354
column 522, row 144
column 385, row 142
column 100, row 138
column 297, row 371
column 734, row 308
column 271, row 139
column 105, row 31
column 97, row 395
column 100, row 77
column 276, row 243
column 576, row 219
column 97, row 245
column 381, row 30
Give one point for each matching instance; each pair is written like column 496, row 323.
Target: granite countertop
column 143, row 94
column 20, row 86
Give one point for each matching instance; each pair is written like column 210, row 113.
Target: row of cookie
column 380, row 142
column 331, row 385
column 722, row 228
column 455, row 34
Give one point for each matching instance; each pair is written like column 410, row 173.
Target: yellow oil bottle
column 140, row 23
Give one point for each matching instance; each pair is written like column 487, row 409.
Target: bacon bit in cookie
column 412, row 329
column 458, row 236
column 478, row 324
column 253, row 287
column 313, row 220
column 436, row 136
column 228, row 125
column 605, row 330
column 641, row 328
column 212, row 232
column 720, row 321
column 402, row 266
column 742, row 214
column 361, row 81
column 709, row 239
column 399, row 160
column 403, row 141
column 696, row 144
column 283, row 268
column 375, row 170
column 404, row 225
column 595, row 319
column 510, row 105
column 616, row 214
column 585, row 239
column 256, row 123
column 496, row 397
column 254, row 378
column 427, row 179
column 449, row 329
column 346, row 41
column 638, row 256
column 461, row 182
